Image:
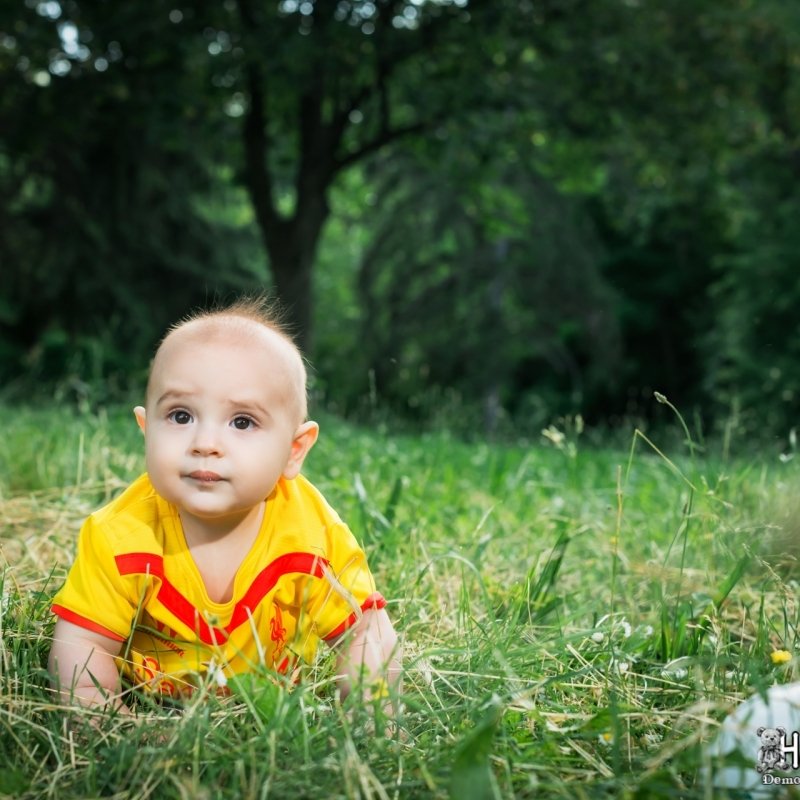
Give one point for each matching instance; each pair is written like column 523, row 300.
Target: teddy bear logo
column 770, row 754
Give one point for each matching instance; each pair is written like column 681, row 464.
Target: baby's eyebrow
column 172, row 394
column 249, row 405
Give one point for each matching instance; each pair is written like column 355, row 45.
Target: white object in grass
column 740, row 731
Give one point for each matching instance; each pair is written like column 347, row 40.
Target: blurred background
column 487, row 211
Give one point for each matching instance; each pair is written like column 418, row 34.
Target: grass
column 576, row 621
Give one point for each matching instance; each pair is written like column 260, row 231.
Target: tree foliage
column 482, row 279
column 753, row 347
column 107, row 199
column 327, row 85
column 531, row 207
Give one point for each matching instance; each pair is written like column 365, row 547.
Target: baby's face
column 221, row 418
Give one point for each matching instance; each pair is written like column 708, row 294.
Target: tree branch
column 390, row 56
column 381, row 140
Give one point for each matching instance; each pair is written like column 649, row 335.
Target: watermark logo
column 771, row 754
column 774, row 754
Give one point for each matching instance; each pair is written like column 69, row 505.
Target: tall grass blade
column 539, row 599
column 471, row 777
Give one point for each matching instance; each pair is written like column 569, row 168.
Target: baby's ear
column 303, row 441
column 140, row 415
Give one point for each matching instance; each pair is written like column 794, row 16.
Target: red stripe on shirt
column 140, row 564
column 169, row 596
column 84, row 622
column 305, row 563
column 189, row 615
column 375, row 600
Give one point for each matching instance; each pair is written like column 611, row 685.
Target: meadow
column 577, row 619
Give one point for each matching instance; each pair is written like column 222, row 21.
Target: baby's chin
column 211, row 504
column 215, row 515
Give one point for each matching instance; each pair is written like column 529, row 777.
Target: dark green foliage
column 487, row 290
column 535, row 208
column 111, row 201
column 662, row 275
column 755, row 347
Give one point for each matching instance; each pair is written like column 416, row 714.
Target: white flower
column 554, row 435
column 217, row 674
column 598, row 637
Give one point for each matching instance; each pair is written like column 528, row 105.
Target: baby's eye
column 242, row 423
column 180, row 417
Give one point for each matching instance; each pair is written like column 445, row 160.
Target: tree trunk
column 290, row 242
column 325, row 103
column 292, row 247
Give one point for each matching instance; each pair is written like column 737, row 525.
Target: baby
column 221, row 558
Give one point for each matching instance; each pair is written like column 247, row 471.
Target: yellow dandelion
column 780, row 656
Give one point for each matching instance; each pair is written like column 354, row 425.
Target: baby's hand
column 82, row 667
column 370, row 657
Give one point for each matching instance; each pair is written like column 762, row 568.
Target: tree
column 156, row 155
column 111, row 221
column 610, row 105
column 481, row 283
column 753, row 348
column 328, row 85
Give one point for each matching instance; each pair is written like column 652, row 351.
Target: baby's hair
column 259, row 309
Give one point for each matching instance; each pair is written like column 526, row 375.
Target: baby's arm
column 82, row 667
column 371, row 654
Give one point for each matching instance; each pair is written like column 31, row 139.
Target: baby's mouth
column 204, row 476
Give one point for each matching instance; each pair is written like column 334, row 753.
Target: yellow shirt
column 134, row 580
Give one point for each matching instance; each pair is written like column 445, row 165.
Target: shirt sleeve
column 95, row 596
column 346, row 588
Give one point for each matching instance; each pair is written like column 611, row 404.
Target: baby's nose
column 206, row 440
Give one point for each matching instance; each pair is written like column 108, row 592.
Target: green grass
column 576, row 620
